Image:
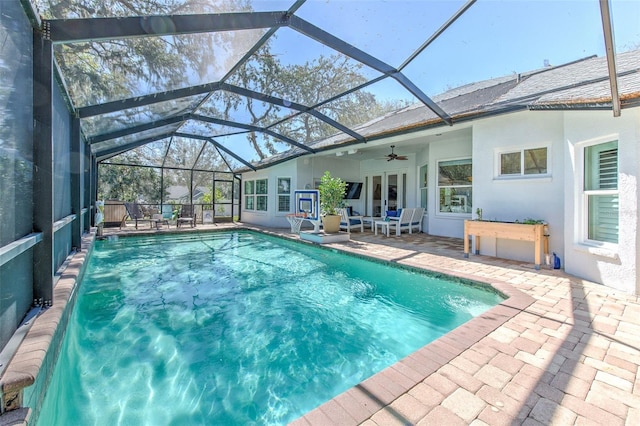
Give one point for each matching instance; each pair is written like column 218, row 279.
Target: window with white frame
column 255, row 194
column 423, row 186
column 523, row 162
column 284, row 194
column 601, row 192
column 262, row 193
column 249, row 194
column 454, row 186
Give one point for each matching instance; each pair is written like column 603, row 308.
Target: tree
column 101, row 71
column 308, row 84
column 129, row 183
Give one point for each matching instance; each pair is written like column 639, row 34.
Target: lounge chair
column 416, row 219
column 135, row 213
column 187, row 215
column 402, row 222
column 348, row 221
column 167, row 211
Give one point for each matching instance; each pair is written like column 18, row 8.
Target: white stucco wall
column 270, row 217
column 519, row 198
column 302, row 172
column 615, row 266
column 446, row 148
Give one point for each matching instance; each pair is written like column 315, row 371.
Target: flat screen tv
column 353, row 190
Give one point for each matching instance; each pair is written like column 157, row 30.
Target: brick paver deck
column 559, row 351
column 570, row 357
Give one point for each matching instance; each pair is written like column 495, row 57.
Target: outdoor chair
column 416, row 219
column 402, row 222
column 135, row 213
column 187, row 215
column 349, row 221
column 167, row 211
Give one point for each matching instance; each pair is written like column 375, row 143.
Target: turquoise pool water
column 237, row 328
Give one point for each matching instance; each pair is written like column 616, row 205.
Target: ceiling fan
column 394, row 156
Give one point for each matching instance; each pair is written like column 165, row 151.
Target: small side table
column 383, row 224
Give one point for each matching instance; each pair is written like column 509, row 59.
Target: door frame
column 401, row 190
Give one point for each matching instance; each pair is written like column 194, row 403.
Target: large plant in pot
column 332, row 191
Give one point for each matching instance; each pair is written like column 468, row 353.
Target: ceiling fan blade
column 402, row 157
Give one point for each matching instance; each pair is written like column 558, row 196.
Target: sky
column 492, row 39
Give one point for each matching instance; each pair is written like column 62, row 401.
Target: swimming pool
column 237, row 328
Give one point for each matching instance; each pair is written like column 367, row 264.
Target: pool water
column 237, row 328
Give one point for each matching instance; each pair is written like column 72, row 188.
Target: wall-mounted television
column 353, row 190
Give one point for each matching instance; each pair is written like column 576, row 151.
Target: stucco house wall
column 518, row 198
column 303, row 172
column 614, row 266
column 443, row 149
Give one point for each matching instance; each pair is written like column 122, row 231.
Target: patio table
column 384, row 226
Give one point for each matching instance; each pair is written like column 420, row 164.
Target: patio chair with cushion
column 349, row 221
column 135, row 213
column 403, row 222
column 187, row 215
column 416, row 219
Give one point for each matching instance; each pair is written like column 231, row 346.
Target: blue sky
column 492, row 39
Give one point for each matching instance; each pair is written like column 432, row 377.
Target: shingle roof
column 580, row 81
column 583, row 83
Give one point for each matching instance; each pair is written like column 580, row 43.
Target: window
column 523, row 162
column 249, row 194
column 255, row 194
column 284, row 195
column 261, row 194
column 423, row 186
column 601, row 192
column 454, row 186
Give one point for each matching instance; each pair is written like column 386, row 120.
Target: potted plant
column 332, row 191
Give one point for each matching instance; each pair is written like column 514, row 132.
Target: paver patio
column 560, row 351
column 570, row 357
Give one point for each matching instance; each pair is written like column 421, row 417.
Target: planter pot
column 331, row 224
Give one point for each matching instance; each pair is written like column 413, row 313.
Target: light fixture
column 340, row 153
column 352, row 151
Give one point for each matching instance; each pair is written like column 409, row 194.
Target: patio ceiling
column 233, row 85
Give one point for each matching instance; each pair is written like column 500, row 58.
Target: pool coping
column 362, row 401
column 27, row 362
column 353, row 406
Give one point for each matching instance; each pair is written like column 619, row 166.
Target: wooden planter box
column 509, row 231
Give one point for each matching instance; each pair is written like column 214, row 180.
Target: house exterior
column 542, row 145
